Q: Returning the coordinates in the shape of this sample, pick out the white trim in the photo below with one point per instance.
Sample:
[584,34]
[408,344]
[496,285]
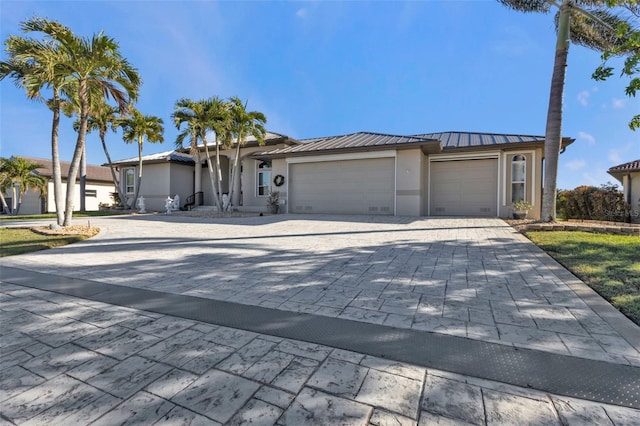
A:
[498,193]
[454,157]
[257,172]
[429,188]
[505,156]
[286,186]
[339,157]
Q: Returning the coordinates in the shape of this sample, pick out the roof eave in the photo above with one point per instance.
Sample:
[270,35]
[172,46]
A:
[428,147]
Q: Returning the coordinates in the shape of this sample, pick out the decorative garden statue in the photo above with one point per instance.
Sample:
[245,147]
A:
[176,202]
[168,205]
[141,204]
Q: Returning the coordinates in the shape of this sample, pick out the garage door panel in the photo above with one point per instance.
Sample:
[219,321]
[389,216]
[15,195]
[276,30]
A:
[343,187]
[464,188]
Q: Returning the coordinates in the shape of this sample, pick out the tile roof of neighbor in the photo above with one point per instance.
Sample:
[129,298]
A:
[631,166]
[159,157]
[353,140]
[94,172]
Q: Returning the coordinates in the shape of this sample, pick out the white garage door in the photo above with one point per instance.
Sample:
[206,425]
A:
[464,188]
[343,187]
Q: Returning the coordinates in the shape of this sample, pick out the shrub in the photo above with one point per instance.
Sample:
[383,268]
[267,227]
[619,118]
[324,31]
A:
[591,203]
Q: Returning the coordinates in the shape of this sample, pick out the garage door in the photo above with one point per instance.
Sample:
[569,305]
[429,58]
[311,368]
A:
[343,187]
[464,188]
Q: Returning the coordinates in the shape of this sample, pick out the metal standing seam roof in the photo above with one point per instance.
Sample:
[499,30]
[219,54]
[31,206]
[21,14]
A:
[469,139]
[631,166]
[158,157]
[352,140]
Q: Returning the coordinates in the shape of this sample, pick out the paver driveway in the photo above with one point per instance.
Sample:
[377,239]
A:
[75,360]
[476,278]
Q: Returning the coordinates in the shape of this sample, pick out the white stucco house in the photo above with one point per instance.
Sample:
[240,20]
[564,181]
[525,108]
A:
[430,174]
[98,189]
[628,174]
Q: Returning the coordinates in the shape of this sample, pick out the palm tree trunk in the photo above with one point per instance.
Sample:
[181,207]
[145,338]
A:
[116,184]
[218,176]
[83,180]
[55,159]
[139,182]
[236,163]
[5,207]
[214,186]
[77,154]
[553,134]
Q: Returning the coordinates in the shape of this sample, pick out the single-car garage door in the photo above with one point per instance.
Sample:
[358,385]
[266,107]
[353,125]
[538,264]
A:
[464,188]
[343,187]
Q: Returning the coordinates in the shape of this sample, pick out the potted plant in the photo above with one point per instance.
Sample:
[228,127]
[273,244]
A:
[273,202]
[521,209]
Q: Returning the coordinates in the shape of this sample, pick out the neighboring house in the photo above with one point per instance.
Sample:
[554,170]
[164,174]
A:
[98,188]
[431,174]
[628,174]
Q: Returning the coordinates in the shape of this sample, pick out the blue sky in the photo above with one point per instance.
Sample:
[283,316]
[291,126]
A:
[327,68]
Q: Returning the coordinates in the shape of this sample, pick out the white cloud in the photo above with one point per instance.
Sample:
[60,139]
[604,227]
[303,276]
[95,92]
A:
[301,13]
[587,137]
[575,165]
[618,103]
[583,98]
[614,156]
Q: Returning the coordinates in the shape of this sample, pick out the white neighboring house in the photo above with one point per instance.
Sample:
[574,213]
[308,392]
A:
[98,188]
[629,176]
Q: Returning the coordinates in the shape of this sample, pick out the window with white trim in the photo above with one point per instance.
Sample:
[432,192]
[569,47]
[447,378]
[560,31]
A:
[129,181]
[263,175]
[518,178]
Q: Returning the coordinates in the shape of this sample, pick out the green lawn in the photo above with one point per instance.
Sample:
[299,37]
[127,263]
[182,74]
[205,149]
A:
[18,241]
[53,215]
[609,264]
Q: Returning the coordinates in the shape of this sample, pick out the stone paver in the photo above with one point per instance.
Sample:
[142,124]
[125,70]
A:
[476,278]
[264,380]
[67,360]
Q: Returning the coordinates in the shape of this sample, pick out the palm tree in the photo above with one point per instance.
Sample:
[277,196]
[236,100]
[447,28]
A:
[33,65]
[585,23]
[243,124]
[103,117]
[23,177]
[5,184]
[68,63]
[136,127]
[201,117]
[96,66]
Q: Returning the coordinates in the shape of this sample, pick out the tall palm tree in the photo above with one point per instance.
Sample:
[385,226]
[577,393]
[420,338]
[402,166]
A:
[243,124]
[5,184]
[34,65]
[583,22]
[96,66]
[23,177]
[200,117]
[64,61]
[135,128]
[104,117]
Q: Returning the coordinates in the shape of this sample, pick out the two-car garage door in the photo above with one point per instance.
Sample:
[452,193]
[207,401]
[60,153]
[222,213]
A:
[364,186]
[464,188]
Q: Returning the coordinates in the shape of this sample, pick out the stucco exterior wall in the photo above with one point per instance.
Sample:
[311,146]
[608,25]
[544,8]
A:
[631,187]
[181,181]
[155,186]
[409,182]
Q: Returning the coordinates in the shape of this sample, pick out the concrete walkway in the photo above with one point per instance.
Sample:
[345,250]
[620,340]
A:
[472,278]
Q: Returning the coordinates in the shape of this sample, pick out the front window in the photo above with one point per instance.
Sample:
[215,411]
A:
[129,179]
[264,178]
[518,178]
